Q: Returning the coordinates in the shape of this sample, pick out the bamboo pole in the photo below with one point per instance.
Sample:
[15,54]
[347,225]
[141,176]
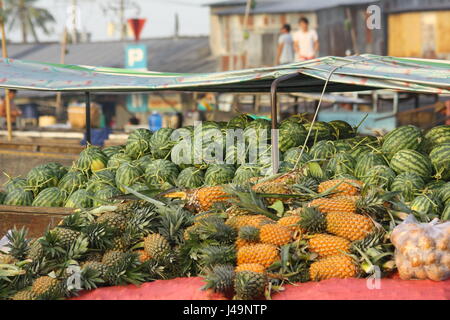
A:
[5,55]
[62,61]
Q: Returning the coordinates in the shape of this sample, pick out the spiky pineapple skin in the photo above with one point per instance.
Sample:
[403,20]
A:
[248,220]
[350,226]
[326,245]
[113,220]
[338,266]
[203,199]
[290,222]
[272,187]
[264,254]
[250,285]
[220,278]
[156,245]
[342,187]
[330,205]
[143,256]
[24,295]
[101,268]
[275,234]
[66,236]
[112,257]
[45,285]
[254,267]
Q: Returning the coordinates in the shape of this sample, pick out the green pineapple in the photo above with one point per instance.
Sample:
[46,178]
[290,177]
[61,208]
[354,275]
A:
[66,236]
[250,285]
[156,246]
[25,294]
[220,279]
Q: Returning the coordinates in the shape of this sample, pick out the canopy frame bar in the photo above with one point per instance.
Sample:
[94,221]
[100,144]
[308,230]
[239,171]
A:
[88,117]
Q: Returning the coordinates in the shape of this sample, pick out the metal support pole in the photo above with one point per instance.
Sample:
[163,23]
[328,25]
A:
[274,107]
[88,117]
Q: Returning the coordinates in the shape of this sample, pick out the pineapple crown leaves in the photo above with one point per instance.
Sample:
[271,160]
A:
[125,271]
[90,278]
[214,229]
[214,255]
[220,279]
[312,220]
[172,223]
[51,245]
[78,248]
[17,243]
[249,233]
[99,236]
[75,221]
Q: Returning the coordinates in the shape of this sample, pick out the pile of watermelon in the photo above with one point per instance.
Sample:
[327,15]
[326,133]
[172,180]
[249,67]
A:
[407,160]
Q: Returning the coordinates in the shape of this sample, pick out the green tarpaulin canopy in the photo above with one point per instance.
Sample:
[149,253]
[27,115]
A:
[350,74]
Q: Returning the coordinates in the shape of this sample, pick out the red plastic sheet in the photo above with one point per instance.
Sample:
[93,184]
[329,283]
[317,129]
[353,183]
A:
[342,289]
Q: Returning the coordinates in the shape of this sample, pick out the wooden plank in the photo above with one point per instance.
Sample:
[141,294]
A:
[443,32]
[39,154]
[405,34]
[35,210]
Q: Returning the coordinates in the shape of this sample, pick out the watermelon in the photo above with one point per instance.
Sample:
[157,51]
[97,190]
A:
[50,197]
[445,216]
[293,154]
[19,197]
[404,137]
[297,118]
[128,174]
[161,143]
[41,177]
[427,207]
[412,161]
[342,129]
[57,168]
[182,154]
[437,136]
[444,193]
[161,173]
[258,130]
[14,183]
[235,153]
[379,175]
[341,163]
[323,150]
[106,176]
[190,178]
[80,199]
[117,159]
[290,135]
[72,181]
[239,121]
[285,167]
[245,172]
[367,161]
[408,184]
[217,174]
[91,159]
[105,194]
[342,145]
[440,158]
[208,144]
[112,150]
[320,131]
[138,143]
[434,186]
[359,151]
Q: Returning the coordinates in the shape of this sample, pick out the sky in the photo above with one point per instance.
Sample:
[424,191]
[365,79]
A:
[160,15]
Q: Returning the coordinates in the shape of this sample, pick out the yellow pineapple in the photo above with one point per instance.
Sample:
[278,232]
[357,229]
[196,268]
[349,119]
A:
[254,220]
[264,254]
[341,187]
[275,234]
[339,266]
[272,187]
[234,210]
[255,267]
[326,245]
[143,256]
[201,199]
[45,285]
[291,222]
[338,204]
[242,243]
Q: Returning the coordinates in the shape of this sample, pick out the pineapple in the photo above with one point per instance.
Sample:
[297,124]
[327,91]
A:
[112,257]
[93,257]
[254,267]
[46,286]
[220,278]
[256,220]
[249,234]
[275,234]
[143,256]
[339,266]
[234,210]
[326,245]
[250,285]
[351,226]
[26,294]
[341,187]
[36,251]
[156,245]
[272,187]
[119,244]
[66,236]
[242,243]
[264,254]
[291,222]
[113,220]
[7,259]
[201,199]
[338,204]
[101,268]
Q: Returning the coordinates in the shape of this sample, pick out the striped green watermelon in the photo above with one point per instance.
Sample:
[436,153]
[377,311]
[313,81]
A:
[219,174]
[427,206]
[437,136]
[258,130]
[73,181]
[245,172]
[208,145]
[367,161]
[117,159]
[440,157]
[408,184]
[342,145]
[341,163]
[191,178]
[182,133]
[290,134]
[107,176]
[293,154]
[239,121]
[14,183]
[434,186]
[445,215]
[412,161]
[19,197]
[379,175]
[138,143]
[41,177]
[57,168]
[50,197]
[401,138]
[320,131]
[128,174]
[285,167]
[105,194]
[359,151]
[112,150]
[444,193]
[182,154]
[297,118]
[342,129]
[91,159]
[80,199]
[323,150]
[236,153]
[161,172]
[161,143]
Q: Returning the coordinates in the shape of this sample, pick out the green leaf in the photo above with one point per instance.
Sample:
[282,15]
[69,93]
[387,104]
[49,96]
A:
[278,206]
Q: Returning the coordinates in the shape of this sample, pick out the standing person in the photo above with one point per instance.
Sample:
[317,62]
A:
[15,112]
[306,41]
[285,53]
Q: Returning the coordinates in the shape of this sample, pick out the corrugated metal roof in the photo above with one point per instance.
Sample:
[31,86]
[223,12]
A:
[285,6]
[186,54]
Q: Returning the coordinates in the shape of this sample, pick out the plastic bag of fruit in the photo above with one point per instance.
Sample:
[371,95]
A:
[422,249]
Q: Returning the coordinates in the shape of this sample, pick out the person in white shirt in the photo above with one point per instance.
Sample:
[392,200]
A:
[306,42]
[285,52]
